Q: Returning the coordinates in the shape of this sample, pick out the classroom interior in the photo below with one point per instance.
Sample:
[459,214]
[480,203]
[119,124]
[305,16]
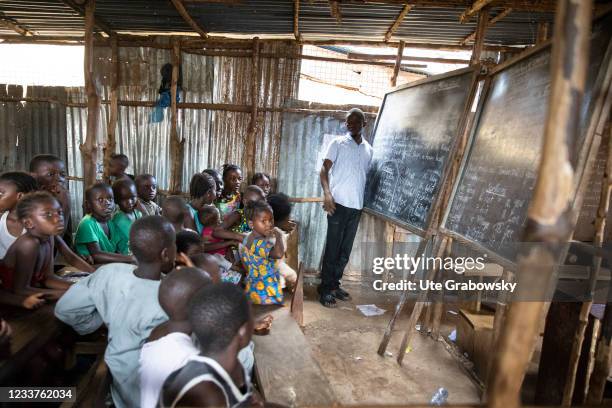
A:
[491,129]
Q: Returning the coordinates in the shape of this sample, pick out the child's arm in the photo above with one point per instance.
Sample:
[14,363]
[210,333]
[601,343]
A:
[209,247]
[28,302]
[101,257]
[77,308]
[26,255]
[72,258]
[278,251]
[224,230]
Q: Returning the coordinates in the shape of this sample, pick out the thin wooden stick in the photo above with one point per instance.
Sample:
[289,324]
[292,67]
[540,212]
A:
[498,321]
[475,8]
[252,131]
[97,21]
[13,25]
[483,19]
[439,304]
[549,212]
[89,149]
[180,8]
[398,64]
[491,22]
[334,9]
[296,20]
[176,143]
[543,29]
[370,57]
[398,21]
[111,140]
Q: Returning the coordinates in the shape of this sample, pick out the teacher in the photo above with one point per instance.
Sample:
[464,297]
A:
[343,178]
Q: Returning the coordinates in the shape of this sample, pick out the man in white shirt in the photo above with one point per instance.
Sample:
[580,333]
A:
[343,177]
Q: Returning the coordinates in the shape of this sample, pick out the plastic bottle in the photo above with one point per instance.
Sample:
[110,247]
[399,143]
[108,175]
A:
[439,398]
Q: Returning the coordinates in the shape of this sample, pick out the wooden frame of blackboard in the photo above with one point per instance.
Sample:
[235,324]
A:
[453,152]
[586,151]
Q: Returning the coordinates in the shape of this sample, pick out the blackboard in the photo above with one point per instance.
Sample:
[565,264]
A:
[490,202]
[413,137]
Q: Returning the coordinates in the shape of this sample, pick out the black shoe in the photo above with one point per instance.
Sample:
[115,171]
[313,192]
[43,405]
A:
[327,300]
[341,294]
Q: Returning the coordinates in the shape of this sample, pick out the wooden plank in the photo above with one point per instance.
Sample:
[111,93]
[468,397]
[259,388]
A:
[370,57]
[180,8]
[475,8]
[491,22]
[297,301]
[398,21]
[286,371]
[296,20]
[82,11]
[483,20]
[176,143]
[398,64]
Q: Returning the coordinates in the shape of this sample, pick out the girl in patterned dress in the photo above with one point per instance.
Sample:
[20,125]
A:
[259,253]
[230,195]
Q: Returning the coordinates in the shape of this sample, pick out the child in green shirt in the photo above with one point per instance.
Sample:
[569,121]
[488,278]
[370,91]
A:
[124,191]
[96,236]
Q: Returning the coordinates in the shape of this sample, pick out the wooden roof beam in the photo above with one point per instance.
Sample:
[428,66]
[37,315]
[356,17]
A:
[334,7]
[398,21]
[475,8]
[296,20]
[98,22]
[11,24]
[492,21]
[180,8]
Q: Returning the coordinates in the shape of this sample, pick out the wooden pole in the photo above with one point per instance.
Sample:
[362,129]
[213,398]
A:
[438,305]
[296,20]
[549,220]
[180,8]
[97,22]
[500,315]
[89,149]
[375,57]
[543,29]
[13,25]
[491,22]
[398,21]
[111,140]
[483,19]
[585,309]
[176,143]
[334,8]
[252,131]
[398,64]
[478,5]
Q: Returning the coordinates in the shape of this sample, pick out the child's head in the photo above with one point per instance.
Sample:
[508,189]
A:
[117,165]
[189,243]
[153,241]
[280,206]
[208,263]
[126,198]
[48,170]
[174,209]
[99,201]
[232,178]
[218,180]
[41,214]
[260,217]
[177,289]
[251,194]
[355,121]
[220,316]
[13,185]
[202,190]
[210,216]
[262,180]
[146,187]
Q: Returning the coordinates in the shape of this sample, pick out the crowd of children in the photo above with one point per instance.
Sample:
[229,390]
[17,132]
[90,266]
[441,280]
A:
[175,275]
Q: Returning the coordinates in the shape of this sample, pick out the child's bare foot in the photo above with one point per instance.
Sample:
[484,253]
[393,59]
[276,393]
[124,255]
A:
[263,326]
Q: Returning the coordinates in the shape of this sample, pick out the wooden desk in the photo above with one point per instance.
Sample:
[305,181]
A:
[31,331]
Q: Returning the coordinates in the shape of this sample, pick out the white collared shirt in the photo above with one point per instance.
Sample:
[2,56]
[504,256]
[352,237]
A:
[351,162]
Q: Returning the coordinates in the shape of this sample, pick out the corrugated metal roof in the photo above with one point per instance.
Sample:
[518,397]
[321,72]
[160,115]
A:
[359,20]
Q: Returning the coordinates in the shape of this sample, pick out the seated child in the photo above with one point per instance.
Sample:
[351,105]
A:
[124,298]
[202,190]
[221,319]
[174,209]
[117,166]
[230,195]
[282,211]
[210,218]
[218,180]
[189,243]
[124,192]
[146,187]
[259,252]
[262,180]
[50,174]
[209,264]
[96,236]
[13,185]
[27,267]
[235,225]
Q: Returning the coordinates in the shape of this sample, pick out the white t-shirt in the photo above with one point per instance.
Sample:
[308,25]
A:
[348,173]
[162,357]
[6,239]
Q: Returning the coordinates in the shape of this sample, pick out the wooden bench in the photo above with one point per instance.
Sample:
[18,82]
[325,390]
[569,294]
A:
[93,387]
[285,369]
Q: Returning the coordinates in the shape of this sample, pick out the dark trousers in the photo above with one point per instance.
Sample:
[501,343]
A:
[341,231]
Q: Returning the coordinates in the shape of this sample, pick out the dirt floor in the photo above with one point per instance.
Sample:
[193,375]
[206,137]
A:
[344,342]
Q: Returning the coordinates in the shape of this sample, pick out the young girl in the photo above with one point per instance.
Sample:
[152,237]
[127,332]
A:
[27,267]
[210,218]
[96,236]
[230,196]
[218,180]
[262,180]
[259,252]
[202,190]
[13,186]
[235,226]
[124,191]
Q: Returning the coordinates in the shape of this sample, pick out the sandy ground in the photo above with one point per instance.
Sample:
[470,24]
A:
[344,342]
